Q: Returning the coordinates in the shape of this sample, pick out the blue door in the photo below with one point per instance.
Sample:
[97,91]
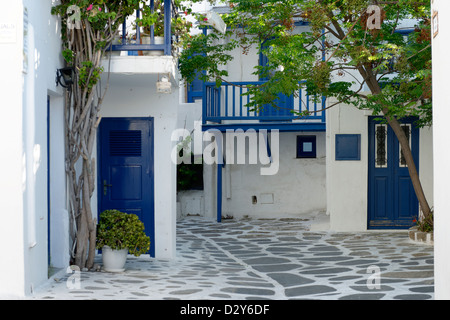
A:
[392,202]
[126,169]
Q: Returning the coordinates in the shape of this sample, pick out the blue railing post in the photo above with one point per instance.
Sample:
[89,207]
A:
[220,164]
[324,100]
[219,192]
[167,27]
[152,27]
[138,30]
[204,103]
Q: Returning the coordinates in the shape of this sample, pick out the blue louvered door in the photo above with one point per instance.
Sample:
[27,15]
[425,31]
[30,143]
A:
[126,169]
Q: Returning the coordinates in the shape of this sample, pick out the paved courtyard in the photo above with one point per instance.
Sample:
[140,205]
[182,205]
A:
[277,259]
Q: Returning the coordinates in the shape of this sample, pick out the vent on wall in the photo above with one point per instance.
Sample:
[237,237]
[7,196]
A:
[125,143]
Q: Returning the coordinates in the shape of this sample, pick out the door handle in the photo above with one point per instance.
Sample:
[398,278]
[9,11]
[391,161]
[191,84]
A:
[105,187]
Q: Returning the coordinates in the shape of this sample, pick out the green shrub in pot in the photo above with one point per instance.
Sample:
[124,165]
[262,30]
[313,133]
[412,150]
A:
[119,230]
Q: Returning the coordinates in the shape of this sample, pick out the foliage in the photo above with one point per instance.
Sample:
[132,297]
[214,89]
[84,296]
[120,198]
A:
[400,65]
[119,230]
[152,17]
[425,223]
[190,175]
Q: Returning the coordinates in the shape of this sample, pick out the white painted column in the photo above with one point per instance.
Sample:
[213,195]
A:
[441,118]
[12,281]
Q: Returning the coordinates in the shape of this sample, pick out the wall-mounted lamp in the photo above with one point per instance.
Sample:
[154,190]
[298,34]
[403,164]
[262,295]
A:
[65,77]
[164,85]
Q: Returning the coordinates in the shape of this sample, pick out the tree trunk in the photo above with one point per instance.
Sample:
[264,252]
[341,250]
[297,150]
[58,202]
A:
[414,175]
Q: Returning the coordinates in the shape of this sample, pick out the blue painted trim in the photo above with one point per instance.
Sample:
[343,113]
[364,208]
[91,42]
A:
[219,192]
[212,105]
[282,127]
[48,181]
[220,165]
[204,105]
[167,27]
[301,153]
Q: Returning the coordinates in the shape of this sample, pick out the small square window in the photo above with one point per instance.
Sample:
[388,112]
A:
[306,146]
[348,147]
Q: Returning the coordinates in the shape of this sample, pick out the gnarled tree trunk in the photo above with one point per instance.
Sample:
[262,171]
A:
[82,119]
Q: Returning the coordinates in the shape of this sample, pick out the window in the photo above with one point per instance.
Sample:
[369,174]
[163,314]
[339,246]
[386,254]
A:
[348,147]
[380,146]
[306,146]
[407,129]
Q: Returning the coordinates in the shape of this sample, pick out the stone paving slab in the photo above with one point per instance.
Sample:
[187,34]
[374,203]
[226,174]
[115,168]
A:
[278,259]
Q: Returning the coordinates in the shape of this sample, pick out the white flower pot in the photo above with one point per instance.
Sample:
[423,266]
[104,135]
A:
[114,260]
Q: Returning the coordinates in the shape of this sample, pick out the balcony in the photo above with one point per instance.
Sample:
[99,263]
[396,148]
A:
[225,107]
[133,43]
[135,52]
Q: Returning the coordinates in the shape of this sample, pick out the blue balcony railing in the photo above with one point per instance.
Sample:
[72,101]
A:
[229,103]
[131,36]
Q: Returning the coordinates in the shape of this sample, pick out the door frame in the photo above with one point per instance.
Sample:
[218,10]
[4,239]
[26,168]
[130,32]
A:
[415,143]
[150,226]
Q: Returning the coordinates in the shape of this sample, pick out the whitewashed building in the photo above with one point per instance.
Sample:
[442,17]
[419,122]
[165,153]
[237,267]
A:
[137,113]
[320,165]
[323,163]
[32,164]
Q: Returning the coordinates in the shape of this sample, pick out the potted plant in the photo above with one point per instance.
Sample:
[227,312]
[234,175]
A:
[180,26]
[153,18]
[120,233]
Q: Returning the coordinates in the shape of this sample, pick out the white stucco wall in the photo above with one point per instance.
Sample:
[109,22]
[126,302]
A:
[441,114]
[11,164]
[346,180]
[296,188]
[136,96]
[29,62]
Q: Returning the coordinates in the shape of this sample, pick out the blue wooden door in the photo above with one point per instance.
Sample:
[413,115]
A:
[392,202]
[126,169]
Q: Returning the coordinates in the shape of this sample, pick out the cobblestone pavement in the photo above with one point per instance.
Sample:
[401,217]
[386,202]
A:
[277,259]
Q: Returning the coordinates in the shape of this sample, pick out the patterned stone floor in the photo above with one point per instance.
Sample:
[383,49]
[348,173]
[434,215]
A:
[276,259]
